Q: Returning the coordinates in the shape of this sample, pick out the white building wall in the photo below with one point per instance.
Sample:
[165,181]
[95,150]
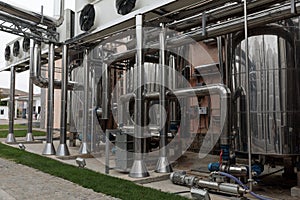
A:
[3,112]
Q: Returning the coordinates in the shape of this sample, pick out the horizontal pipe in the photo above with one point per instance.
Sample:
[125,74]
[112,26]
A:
[219,89]
[181,178]
[267,16]
[220,13]
[32,16]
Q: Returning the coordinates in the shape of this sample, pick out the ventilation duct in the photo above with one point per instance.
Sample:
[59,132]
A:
[125,6]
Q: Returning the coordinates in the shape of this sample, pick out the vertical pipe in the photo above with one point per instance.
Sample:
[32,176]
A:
[107,147]
[163,165]
[220,55]
[29,136]
[62,149]
[49,148]
[83,148]
[248,94]
[73,131]
[11,137]
[139,169]
[105,86]
[93,118]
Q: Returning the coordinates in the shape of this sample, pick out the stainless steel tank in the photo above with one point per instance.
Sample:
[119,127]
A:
[274,93]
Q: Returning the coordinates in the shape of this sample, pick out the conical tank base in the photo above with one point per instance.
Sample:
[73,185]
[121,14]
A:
[29,137]
[10,138]
[163,165]
[83,148]
[62,150]
[49,149]
[139,169]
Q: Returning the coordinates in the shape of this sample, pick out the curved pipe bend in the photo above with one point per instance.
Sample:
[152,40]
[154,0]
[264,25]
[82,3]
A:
[35,71]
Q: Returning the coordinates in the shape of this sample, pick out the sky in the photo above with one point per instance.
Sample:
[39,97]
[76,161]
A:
[22,79]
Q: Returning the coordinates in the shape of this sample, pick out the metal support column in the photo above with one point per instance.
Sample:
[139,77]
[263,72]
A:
[163,165]
[139,168]
[11,137]
[83,148]
[29,136]
[248,94]
[49,147]
[62,149]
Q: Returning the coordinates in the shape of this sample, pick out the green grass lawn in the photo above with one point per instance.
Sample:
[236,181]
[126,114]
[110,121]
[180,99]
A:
[87,178]
[21,133]
[5,126]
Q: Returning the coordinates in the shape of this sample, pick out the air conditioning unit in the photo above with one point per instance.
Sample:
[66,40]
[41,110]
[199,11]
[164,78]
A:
[17,51]
[102,14]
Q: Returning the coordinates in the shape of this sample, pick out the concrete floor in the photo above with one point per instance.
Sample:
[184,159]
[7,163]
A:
[161,182]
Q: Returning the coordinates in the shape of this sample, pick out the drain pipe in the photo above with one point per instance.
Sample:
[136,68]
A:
[83,148]
[62,149]
[49,147]
[248,96]
[139,168]
[11,137]
[29,136]
[163,165]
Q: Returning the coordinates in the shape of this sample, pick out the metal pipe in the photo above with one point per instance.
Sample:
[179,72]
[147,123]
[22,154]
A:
[83,148]
[36,72]
[273,14]
[32,16]
[220,13]
[49,148]
[105,86]
[259,18]
[220,55]
[163,165]
[93,118]
[62,149]
[10,137]
[139,169]
[29,136]
[181,178]
[248,94]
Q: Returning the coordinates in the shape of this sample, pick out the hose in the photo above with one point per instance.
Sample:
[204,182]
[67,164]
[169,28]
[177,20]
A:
[241,184]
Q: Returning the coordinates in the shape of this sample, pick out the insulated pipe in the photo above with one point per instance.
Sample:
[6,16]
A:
[83,148]
[29,136]
[220,55]
[11,137]
[259,18]
[181,178]
[274,14]
[105,86]
[163,165]
[49,148]
[139,169]
[36,72]
[62,149]
[247,85]
[220,89]
[220,13]
[32,16]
